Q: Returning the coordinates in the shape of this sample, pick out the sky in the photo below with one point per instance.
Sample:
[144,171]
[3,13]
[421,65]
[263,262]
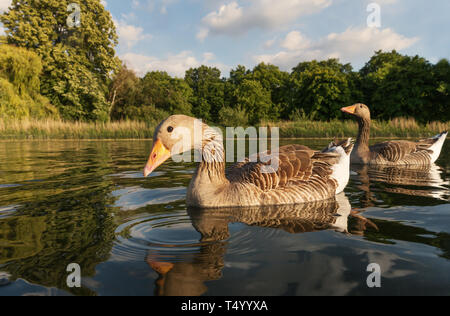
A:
[175,35]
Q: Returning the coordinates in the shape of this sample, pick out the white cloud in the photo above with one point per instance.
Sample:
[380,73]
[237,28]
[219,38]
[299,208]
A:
[175,65]
[269,43]
[295,41]
[129,34]
[354,44]
[233,19]
[202,34]
[4,4]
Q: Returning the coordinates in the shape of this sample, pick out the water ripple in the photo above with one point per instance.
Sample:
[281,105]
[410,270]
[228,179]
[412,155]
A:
[167,236]
[134,198]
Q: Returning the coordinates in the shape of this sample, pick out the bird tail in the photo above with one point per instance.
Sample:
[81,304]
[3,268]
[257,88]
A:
[341,169]
[347,145]
[436,147]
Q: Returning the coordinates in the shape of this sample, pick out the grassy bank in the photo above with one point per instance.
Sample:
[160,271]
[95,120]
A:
[401,127]
[50,129]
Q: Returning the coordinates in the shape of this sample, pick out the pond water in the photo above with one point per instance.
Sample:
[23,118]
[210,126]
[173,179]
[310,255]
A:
[86,202]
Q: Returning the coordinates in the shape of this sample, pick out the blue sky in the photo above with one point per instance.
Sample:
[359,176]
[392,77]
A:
[174,35]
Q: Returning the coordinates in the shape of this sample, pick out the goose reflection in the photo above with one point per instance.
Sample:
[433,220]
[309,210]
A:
[422,181]
[187,276]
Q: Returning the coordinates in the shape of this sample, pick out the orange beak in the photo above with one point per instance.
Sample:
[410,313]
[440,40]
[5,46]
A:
[161,267]
[349,109]
[159,154]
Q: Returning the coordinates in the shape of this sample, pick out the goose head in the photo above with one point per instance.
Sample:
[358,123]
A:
[361,111]
[175,135]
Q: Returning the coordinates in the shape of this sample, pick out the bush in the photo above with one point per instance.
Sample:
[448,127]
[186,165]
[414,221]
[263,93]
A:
[230,117]
[19,85]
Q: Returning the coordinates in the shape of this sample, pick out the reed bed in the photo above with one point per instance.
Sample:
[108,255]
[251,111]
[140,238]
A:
[56,129]
[400,127]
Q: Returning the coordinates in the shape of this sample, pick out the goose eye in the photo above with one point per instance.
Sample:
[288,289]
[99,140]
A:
[170,129]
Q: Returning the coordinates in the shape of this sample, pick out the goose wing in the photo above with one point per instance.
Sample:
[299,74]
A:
[396,151]
[293,164]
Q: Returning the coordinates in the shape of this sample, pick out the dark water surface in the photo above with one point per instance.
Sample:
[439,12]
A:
[87,202]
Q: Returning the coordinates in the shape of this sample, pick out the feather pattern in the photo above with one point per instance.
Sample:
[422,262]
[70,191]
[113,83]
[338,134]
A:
[406,152]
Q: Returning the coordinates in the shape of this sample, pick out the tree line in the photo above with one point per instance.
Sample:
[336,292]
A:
[393,85]
[50,69]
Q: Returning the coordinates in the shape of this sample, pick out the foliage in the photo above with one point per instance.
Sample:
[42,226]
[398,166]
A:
[393,85]
[124,91]
[441,94]
[254,99]
[149,99]
[75,70]
[233,117]
[19,85]
[76,61]
[397,85]
[320,88]
[208,92]
[166,93]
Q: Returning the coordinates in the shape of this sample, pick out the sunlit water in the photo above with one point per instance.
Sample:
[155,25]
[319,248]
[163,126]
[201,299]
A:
[87,202]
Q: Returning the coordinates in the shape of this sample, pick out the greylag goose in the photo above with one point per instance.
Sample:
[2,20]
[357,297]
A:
[301,174]
[394,153]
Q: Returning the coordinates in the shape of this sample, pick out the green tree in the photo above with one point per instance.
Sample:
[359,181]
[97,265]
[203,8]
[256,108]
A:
[238,75]
[254,100]
[208,97]
[19,85]
[441,92]
[233,117]
[151,98]
[396,85]
[124,93]
[236,78]
[166,93]
[276,81]
[319,89]
[77,61]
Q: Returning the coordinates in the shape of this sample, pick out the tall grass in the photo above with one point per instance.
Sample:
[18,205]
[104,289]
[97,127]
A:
[57,129]
[400,127]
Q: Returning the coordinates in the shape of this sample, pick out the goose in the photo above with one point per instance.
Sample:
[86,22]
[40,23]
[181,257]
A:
[393,153]
[294,174]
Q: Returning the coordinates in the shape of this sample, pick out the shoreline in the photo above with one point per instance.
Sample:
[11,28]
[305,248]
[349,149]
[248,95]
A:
[9,140]
[403,128]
